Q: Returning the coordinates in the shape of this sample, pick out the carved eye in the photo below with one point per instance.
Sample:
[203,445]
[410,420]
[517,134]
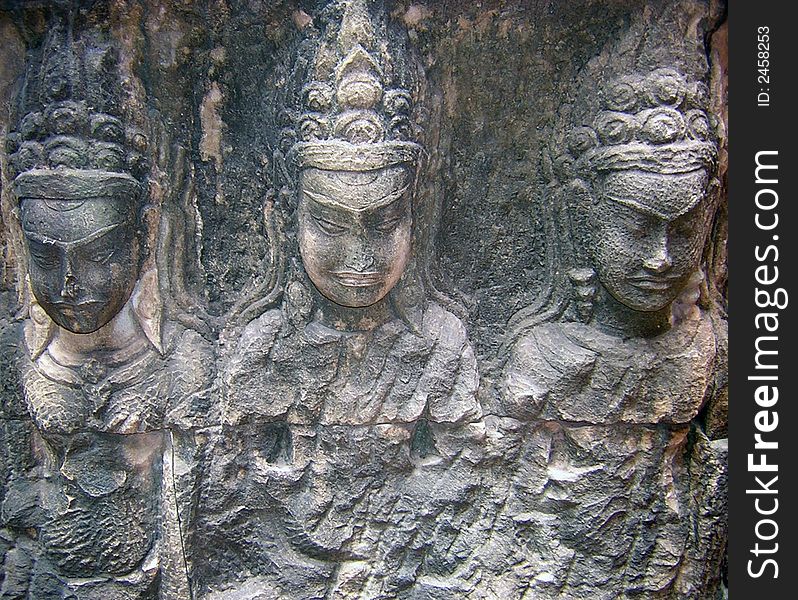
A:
[45,257]
[681,228]
[388,225]
[638,230]
[329,227]
[102,256]
[639,226]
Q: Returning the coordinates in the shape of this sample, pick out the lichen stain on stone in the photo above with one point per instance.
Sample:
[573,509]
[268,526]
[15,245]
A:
[301,19]
[719,62]
[485,21]
[211,122]
[218,55]
[166,36]
[479,27]
[414,15]
[464,23]
[127,32]
[450,95]
[12,49]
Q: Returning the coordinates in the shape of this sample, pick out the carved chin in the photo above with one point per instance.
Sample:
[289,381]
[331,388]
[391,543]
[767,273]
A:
[83,316]
[650,300]
[78,320]
[353,293]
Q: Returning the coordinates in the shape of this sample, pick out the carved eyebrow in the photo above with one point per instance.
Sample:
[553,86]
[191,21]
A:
[42,239]
[637,207]
[385,200]
[395,195]
[318,197]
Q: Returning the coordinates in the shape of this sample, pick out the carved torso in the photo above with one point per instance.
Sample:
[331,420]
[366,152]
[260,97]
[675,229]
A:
[576,373]
[140,393]
[322,409]
[102,438]
[609,420]
[343,299]
[319,375]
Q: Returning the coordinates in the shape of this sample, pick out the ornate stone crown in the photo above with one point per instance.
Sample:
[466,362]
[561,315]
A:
[349,120]
[655,123]
[69,145]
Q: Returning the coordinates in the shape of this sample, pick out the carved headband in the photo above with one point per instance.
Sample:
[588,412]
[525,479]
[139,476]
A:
[679,157]
[76,184]
[338,155]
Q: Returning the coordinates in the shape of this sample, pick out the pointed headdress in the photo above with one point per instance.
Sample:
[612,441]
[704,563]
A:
[351,120]
[71,143]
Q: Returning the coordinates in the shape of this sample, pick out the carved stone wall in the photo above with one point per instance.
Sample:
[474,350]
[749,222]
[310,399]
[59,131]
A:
[362,299]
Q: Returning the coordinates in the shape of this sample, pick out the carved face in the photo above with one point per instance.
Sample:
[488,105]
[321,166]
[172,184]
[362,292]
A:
[355,231]
[83,258]
[649,232]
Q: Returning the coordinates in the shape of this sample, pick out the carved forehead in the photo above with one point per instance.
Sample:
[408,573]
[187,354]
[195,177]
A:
[73,220]
[355,190]
[667,196]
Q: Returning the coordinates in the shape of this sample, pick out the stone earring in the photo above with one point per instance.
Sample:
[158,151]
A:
[585,289]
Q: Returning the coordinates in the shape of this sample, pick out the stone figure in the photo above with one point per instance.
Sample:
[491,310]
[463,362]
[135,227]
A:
[345,407]
[612,388]
[110,385]
[359,299]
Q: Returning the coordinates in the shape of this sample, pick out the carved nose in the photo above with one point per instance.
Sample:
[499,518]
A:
[659,260]
[69,287]
[360,262]
[658,264]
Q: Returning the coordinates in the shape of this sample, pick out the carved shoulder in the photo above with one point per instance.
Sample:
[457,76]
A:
[190,368]
[546,361]
[258,336]
[52,406]
[245,372]
[451,377]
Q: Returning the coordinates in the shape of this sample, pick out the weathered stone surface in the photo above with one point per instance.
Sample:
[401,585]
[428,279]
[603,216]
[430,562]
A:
[362,299]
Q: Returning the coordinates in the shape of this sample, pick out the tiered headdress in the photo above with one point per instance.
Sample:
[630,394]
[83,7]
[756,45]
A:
[349,120]
[71,144]
[654,123]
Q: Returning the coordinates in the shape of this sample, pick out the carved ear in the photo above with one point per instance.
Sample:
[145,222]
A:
[407,300]
[579,194]
[147,305]
[578,200]
[39,329]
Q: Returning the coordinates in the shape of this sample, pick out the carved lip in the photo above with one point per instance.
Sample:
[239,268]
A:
[357,279]
[79,305]
[653,284]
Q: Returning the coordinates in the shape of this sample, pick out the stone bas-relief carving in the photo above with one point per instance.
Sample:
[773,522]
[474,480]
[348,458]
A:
[611,395]
[110,387]
[343,427]
[347,407]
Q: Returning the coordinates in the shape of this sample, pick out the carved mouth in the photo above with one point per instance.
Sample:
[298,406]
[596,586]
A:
[652,284]
[356,279]
[78,306]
